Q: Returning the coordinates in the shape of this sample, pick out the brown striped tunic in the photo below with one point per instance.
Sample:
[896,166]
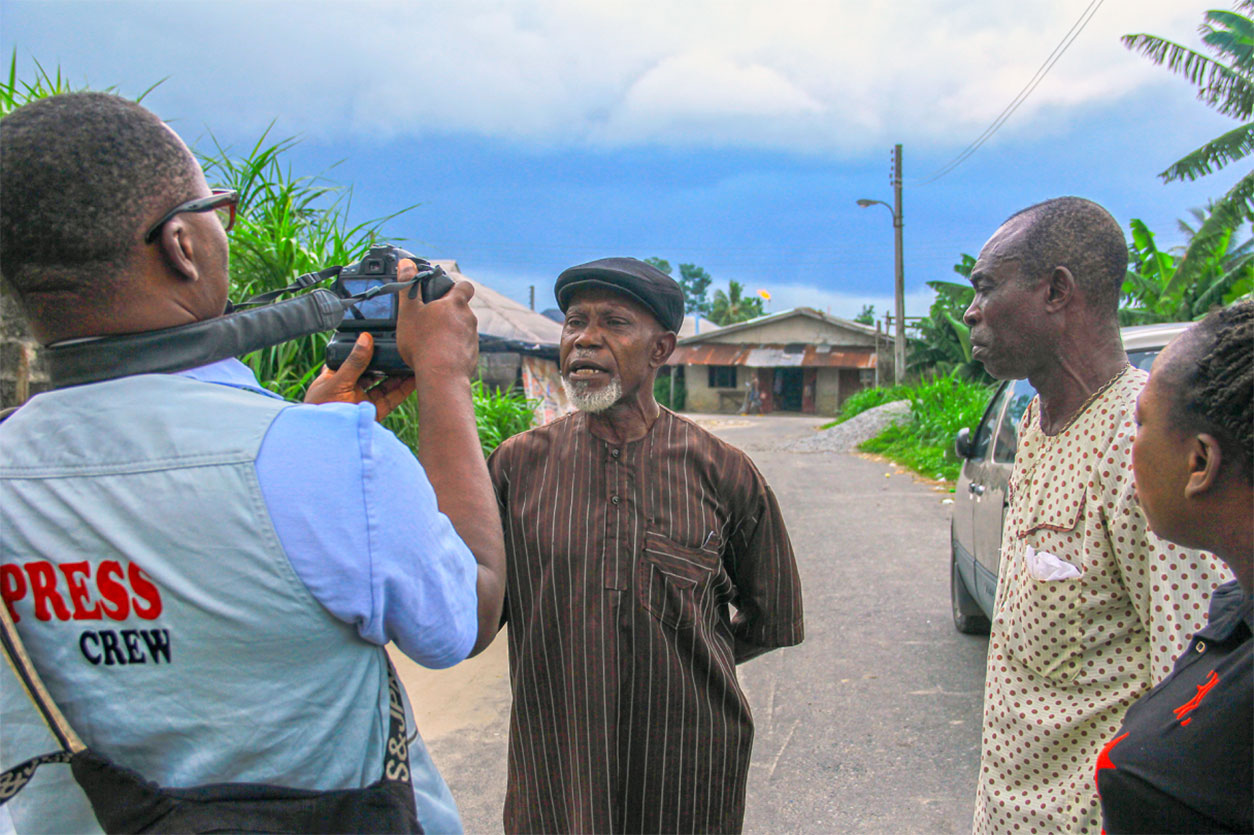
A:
[624,564]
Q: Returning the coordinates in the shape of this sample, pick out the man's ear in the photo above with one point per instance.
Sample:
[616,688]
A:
[1061,289]
[1205,460]
[663,347]
[178,247]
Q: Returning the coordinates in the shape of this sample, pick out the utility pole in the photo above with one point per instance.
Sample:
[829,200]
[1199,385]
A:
[899,289]
[899,272]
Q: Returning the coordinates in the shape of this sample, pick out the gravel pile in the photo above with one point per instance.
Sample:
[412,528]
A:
[844,437]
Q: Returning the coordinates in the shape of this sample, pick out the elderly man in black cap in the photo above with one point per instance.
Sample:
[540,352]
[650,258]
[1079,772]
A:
[632,537]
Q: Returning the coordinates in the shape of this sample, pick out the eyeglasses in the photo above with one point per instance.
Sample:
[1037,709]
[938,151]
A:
[223,201]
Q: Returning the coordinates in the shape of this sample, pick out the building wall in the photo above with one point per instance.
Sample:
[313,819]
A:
[702,398]
[831,389]
[827,395]
[796,329]
[22,370]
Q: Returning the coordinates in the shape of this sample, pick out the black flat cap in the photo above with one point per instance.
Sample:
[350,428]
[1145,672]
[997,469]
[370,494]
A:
[635,279]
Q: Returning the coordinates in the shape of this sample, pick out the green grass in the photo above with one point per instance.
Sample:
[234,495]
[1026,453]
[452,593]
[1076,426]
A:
[939,406]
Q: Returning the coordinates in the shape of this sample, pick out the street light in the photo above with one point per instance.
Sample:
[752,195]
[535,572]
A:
[899,284]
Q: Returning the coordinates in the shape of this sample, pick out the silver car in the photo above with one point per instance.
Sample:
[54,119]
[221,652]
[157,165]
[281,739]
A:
[980,499]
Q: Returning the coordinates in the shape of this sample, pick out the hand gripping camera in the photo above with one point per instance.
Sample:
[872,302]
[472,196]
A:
[362,299]
[373,281]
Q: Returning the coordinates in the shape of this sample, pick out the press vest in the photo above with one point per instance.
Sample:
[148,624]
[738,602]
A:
[151,590]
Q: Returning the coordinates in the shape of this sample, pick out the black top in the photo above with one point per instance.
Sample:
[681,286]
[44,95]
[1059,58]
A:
[1182,760]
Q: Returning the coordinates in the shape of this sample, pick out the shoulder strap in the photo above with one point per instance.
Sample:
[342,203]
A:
[12,780]
[34,686]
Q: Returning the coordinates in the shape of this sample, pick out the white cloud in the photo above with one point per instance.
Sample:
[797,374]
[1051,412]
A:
[829,76]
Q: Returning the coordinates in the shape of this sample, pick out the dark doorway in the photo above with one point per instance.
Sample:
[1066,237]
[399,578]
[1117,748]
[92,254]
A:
[789,385]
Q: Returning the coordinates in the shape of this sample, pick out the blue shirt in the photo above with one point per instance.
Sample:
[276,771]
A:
[348,501]
[358,521]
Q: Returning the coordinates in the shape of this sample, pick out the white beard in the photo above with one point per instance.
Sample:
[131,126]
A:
[597,400]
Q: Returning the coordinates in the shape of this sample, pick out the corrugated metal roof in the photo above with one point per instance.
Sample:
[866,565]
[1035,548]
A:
[769,356]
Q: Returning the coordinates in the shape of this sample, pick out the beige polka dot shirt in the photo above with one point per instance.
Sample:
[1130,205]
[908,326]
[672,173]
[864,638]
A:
[1068,656]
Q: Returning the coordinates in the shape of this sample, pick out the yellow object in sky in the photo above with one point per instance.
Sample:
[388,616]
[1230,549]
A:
[764,295]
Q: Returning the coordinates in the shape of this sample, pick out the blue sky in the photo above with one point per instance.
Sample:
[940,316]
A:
[735,134]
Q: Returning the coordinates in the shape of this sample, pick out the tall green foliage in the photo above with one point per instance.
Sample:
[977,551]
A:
[943,341]
[500,415]
[1153,293]
[940,405]
[286,225]
[1225,83]
[15,92]
[662,392]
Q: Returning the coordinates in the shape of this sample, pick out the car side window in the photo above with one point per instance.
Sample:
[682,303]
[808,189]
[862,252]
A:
[1143,358]
[1021,394]
[984,435]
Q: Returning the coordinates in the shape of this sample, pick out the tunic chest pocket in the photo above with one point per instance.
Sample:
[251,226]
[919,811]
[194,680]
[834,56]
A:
[1044,619]
[672,580]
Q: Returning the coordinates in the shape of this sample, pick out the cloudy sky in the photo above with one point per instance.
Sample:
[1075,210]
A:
[734,134]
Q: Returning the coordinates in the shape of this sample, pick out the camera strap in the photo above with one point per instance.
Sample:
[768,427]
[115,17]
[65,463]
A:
[302,282]
[94,359]
[238,332]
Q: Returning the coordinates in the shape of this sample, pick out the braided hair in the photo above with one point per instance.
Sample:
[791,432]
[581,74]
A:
[1216,380]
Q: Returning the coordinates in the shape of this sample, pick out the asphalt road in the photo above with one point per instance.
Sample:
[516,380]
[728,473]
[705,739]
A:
[871,725]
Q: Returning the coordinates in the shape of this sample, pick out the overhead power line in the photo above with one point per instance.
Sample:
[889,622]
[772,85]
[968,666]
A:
[1059,50]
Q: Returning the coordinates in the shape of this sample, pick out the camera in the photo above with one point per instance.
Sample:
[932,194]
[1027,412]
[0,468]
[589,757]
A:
[377,311]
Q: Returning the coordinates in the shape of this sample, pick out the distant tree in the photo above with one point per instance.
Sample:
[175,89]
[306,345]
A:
[1226,84]
[944,340]
[867,316]
[661,263]
[696,282]
[733,306]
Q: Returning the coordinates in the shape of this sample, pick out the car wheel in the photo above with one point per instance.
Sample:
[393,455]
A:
[969,619]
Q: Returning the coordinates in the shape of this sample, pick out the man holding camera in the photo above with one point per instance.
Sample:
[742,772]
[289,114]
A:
[631,533]
[205,575]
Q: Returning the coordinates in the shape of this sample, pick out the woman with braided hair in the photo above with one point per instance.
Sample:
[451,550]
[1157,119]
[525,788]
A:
[1182,760]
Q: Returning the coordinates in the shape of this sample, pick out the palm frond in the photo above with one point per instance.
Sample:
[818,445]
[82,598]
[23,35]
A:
[1233,209]
[1230,147]
[1214,295]
[1228,92]
[1231,34]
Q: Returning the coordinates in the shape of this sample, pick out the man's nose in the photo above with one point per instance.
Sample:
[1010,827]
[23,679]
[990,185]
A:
[588,336]
[971,315]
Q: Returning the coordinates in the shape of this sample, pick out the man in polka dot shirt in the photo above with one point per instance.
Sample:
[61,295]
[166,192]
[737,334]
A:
[1091,607]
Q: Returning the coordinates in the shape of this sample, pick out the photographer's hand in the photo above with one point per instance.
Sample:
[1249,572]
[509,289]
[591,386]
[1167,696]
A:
[440,342]
[344,385]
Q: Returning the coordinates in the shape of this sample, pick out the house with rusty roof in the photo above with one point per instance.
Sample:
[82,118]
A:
[799,360]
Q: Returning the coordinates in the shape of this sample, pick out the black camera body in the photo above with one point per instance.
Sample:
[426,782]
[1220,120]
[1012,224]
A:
[378,314]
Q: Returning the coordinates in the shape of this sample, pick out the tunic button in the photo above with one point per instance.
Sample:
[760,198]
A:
[1201,646]
[614,452]
[613,499]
